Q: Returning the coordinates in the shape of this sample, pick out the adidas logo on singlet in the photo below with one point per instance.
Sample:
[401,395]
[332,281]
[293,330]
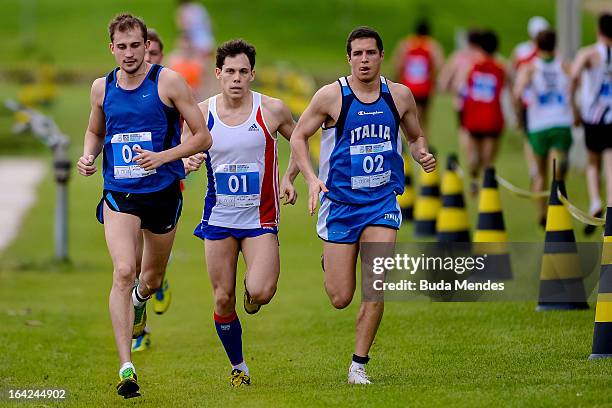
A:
[253,127]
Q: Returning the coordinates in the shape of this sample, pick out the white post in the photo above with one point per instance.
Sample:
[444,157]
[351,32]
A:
[568,27]
[569,17]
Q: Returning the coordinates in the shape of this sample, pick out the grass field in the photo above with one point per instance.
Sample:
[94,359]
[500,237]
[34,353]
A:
[55,330]
[79,43]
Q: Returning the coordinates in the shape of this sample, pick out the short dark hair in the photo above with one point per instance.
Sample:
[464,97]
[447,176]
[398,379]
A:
[126,22]
[232,48]
[488,42]
[473,37]
[422,27]
[363,32]
[546,40]
[605,24]
[153,36]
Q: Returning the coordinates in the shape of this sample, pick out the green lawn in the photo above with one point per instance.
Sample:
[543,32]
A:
[55,330]
[298,347]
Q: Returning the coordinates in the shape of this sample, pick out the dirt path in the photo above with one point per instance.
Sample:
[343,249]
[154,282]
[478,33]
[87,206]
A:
[19,179]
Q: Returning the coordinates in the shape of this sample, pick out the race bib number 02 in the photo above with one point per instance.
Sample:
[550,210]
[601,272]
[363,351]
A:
[370,165]
[238,185]
[123,152]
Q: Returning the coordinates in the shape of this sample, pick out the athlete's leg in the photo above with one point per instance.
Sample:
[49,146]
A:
[607,159]
[122,233]
[139,250]
[561,158]
[263,266]
[530,158]
[538,184]
[474,157]
[155,256]
[464,142]
[142,342]
[370,313]
[221,260]
[339,261]
[592,176]
[488,151]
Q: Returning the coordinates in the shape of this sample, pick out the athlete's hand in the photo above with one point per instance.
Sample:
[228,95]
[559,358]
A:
[288,192]
[147,159]
[86,166]
[314,188]
[426,160]
[193,163]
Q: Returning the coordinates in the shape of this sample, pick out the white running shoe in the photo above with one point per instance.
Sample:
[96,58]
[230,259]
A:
[357,375]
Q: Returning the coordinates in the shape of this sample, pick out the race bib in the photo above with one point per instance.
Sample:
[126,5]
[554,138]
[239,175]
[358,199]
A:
[417,69]
[371,165]
[483,87]
[238,185]
[123,152]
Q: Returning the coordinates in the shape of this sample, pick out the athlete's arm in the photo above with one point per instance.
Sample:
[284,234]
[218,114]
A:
[313,117]
[194,162]
[409,122]
[285,125]
[173,87]
[523,78]
[437,55]
[447,73]
[94,135]
[398,56]
[579,65]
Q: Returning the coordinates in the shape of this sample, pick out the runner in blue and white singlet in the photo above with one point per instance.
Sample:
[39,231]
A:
[361,163]
[361,172]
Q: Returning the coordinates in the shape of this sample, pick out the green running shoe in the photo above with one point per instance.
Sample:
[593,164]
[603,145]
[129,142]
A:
[128,387]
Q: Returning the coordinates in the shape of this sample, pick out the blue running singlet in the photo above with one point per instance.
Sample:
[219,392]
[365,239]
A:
[361,155]
[138,117]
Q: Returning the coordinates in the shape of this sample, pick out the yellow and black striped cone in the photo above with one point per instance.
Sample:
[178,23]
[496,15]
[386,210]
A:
[491,231]
[561,277]
[406,199]
[427,204]
[452,223]
[602,335]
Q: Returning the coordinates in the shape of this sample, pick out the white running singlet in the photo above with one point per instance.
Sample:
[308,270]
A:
[242,170]
[548,104]
[597,89]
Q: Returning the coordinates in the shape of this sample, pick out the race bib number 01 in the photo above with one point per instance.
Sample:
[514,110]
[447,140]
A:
[123,152]
[370,165]
[238,185]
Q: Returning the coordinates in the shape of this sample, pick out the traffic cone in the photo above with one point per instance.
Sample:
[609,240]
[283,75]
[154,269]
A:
[602,334]
[561,277]
[491,231]
[452,222]
[427,204]
[406,199]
